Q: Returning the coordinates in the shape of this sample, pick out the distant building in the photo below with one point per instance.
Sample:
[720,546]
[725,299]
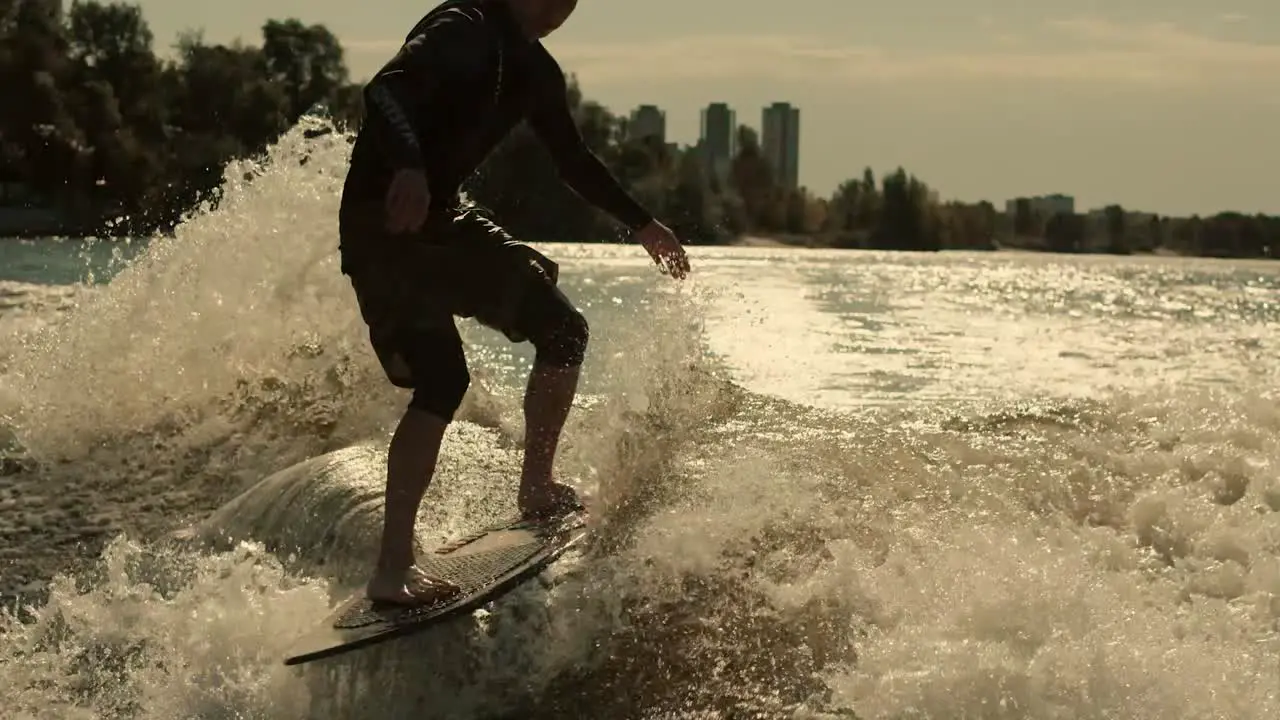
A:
[719,139]
[647,121]
[1045,206]
[780,142]
[1132,215]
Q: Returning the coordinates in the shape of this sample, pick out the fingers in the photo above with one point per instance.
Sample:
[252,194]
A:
[662,257]
[395,194]
[674,263]
[670,257]
[399,206]
[677,261]
[407,205]
[684,263]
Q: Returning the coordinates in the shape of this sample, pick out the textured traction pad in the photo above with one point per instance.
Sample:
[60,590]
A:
[484,565]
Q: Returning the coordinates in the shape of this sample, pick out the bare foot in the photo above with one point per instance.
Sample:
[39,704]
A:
[543,500]
[410,587]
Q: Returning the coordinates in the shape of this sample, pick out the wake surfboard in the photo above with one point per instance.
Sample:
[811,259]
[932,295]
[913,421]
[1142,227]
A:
[485,566]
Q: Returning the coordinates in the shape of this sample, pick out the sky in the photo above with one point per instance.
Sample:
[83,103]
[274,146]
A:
[1168,106]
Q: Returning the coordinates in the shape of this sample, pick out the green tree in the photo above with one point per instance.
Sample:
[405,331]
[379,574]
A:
[844,206]
[41,140]
[307,60]
[854,210]
[1155,232]
[751,178]
[906,223]
[966,226]
[1117,230]
[693,209]
[115,85]
[520,184]
[797,211]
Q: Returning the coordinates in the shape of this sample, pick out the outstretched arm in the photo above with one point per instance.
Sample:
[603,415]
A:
[452,46]
[581,170]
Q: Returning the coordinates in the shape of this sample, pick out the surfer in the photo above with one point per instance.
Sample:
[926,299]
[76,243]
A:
[419,253]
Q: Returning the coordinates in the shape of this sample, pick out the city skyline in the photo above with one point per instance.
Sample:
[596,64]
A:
[780,147]
[778,135]
[1165,106]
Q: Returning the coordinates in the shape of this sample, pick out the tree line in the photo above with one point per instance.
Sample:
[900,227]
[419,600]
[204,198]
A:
[126,142]
[99,126]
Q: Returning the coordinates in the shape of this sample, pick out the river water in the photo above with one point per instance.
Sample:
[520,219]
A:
[831,483]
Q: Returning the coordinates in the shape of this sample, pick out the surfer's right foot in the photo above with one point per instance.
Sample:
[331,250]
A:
[545,500]
[409,587]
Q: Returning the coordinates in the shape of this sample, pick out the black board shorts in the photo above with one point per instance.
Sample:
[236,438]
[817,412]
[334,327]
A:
[411,286]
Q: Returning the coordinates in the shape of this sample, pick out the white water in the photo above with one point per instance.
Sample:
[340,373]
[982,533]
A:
[902,486]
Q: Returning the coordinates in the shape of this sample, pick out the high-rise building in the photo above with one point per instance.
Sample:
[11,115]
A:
[780,142]
[719,139]
[647,121]
[1044,205]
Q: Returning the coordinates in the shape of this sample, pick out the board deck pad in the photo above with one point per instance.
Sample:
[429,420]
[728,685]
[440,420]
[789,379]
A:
[484,565]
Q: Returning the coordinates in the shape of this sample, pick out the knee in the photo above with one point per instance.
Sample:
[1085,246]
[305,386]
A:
[440,387]
[442,395]
[565,342]
[558,331]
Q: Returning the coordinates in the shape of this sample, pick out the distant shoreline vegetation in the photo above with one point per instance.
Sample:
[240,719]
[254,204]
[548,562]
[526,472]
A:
[104,138]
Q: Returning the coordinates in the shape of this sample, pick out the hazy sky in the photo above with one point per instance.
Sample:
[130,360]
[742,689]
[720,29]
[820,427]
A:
[1161,105]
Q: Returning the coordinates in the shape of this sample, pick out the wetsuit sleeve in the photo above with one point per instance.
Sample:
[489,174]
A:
[450,48]
[580,168]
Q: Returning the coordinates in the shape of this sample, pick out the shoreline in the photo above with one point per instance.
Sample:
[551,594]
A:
[807,242]
[772,241]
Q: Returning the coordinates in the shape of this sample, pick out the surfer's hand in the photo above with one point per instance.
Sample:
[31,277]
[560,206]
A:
[664,248]
[408,201]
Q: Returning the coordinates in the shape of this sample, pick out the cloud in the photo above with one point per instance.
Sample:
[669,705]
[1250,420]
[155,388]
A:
[1071,50]
[1095,51]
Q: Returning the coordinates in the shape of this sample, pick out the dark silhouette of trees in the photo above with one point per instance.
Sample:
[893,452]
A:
[99,128]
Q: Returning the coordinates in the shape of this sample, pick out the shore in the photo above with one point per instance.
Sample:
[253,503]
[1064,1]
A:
[812,241]
[760,242]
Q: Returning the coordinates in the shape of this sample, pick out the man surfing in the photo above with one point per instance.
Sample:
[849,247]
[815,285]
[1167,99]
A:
[419,254]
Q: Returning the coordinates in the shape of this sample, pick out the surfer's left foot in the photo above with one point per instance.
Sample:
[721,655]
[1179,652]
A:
[547,499]
[410,587]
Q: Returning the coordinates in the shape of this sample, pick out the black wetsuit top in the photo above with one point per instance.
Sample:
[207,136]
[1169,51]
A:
[464,79]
